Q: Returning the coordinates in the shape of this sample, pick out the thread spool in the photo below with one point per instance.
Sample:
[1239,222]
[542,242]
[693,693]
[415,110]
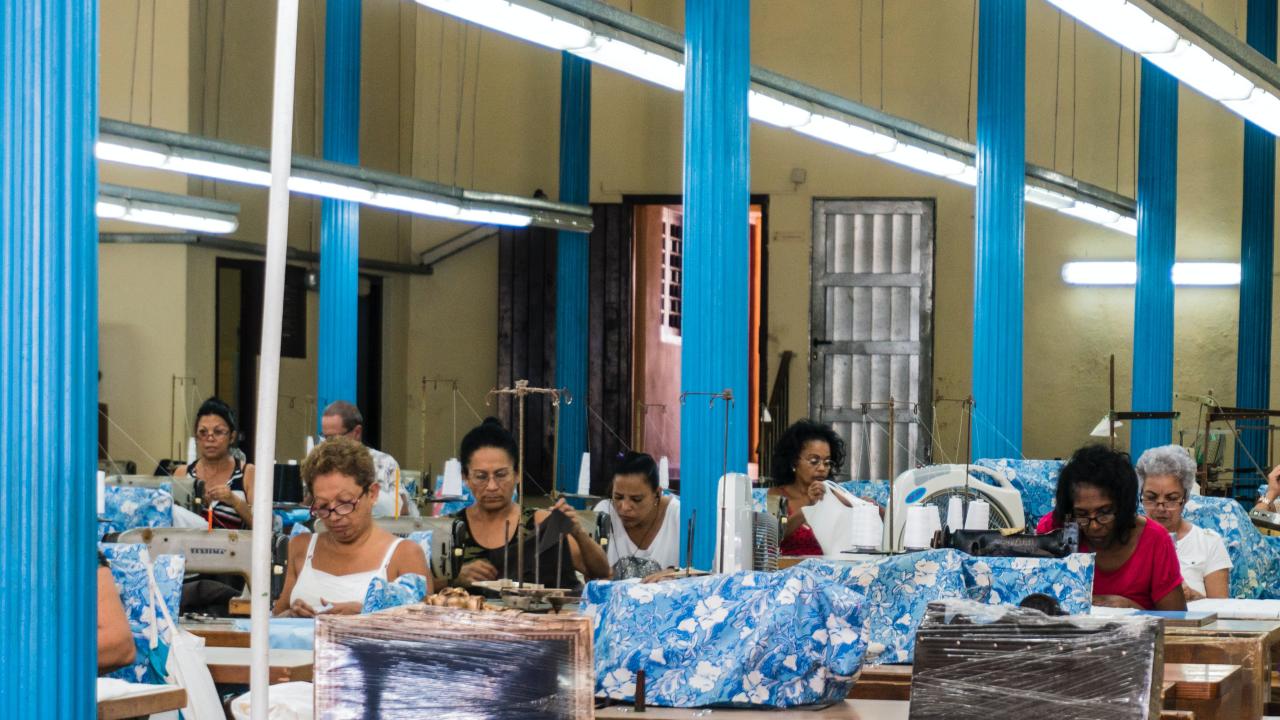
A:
[979,516]
[919,527]
[452,478]
[955,513]
[311,443]
[191,450]
[868,529]
[102,493]
[584,475]
[664,473]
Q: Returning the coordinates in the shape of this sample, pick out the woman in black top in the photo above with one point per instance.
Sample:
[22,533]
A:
[222,481]
[489,552]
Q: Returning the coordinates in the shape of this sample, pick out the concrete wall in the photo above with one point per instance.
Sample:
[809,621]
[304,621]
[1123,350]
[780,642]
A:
[446,101]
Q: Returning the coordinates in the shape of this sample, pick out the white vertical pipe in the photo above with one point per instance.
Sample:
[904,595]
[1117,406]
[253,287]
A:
[269,362]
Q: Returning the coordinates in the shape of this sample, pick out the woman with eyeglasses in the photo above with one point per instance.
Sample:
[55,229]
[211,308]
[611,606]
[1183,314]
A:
[1135,563]
[1167,474]
[646,538]
[807,454]
[330,571]
[226,481]
[490,543]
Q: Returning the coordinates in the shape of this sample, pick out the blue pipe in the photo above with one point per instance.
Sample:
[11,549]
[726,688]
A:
[340,219]
[572,255]
[998,229]
[48,357]
[1153,296]
[1257,263]
[716,258]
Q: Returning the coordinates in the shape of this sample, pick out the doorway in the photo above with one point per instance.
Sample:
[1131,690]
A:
[658,313]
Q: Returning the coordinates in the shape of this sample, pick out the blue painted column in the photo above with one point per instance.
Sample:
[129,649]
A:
[714,354]
[572,272]
[998,229]
[1257,263]
[340,219]
[48,357]
[1153,297]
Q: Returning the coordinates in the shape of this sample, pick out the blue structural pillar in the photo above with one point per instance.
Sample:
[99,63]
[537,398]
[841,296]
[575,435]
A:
[48,357]
[340,219]
[1153,300]
[1253,350]
[998,229]
[572,254]
[714,353]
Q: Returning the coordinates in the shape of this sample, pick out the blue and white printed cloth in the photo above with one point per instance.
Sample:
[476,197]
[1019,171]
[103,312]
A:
[1255,571]
[1036,480]
[1007,580]
[898,589]
[765,639]
[129,507]
[424,539]
[128,566]
[405,590]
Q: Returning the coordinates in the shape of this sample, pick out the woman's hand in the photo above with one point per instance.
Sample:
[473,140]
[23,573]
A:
[300,609]
[346,608]
[1190,594]
[218,493]
[567,510]
[1273,487]
[1115,601]
[816,491]
[477,571]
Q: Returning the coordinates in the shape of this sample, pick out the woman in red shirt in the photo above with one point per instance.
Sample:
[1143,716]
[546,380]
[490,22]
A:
[1136,564]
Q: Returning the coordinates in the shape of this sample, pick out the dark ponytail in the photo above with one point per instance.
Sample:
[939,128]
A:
[488,434]
[637,463]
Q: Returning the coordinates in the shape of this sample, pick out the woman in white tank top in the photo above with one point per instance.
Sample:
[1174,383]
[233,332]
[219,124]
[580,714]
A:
[646,523]
[331,571]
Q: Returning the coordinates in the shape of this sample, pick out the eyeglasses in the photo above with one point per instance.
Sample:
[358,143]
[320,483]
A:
[1169,501]
[343,508]
[214,434]
[1102,517]
[482,478]
[815,461]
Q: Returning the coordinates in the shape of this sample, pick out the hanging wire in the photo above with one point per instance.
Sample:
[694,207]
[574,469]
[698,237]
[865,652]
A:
[862,63]
[1119,113]
[607,427]
[1057,89]
[439,97]
[881,54]
[475,101]
[1075,90]
[968,93]
[151,66]
[992,426]
[128,437]
[137,39]
[462,84]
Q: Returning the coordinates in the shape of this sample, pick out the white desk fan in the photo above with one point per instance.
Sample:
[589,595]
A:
[936,484]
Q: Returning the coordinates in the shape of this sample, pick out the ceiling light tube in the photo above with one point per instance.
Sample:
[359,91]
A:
[534,22]
[1124,272]
[636,57]
[918,158]
[183,212]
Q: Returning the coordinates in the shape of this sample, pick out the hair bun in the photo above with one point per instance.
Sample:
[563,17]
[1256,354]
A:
[491,421]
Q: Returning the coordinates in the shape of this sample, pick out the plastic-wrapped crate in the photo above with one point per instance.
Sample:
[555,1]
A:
[1198,646]
[447,664]
[985,662]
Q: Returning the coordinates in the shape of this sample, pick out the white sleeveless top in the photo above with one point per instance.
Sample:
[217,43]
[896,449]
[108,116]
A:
[314,584]
[665,548]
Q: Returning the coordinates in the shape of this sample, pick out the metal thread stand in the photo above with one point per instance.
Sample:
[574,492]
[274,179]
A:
[727,396]
[520,391]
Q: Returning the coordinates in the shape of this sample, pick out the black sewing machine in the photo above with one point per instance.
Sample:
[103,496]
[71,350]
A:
[1005,543]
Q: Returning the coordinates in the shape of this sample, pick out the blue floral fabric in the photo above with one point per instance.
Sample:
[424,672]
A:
[424,539]
[128,567]
[877,490]
[1255,571]
[129,507]
[285,633]
[764,639]
[405,590]
[1007,580]
[1036,480]
[898,589]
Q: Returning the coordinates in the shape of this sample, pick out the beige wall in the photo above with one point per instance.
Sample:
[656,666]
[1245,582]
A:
[449,102]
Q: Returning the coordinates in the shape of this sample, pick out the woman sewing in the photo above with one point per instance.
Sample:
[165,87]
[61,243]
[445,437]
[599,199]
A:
[807,454]
[646,523]
[1167,475]
[225,483]
[555,542]
[1136,565]
[330,571]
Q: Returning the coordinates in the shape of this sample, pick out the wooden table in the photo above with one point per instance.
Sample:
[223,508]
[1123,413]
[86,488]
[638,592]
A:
[218,633]
[848,710]
[230,665]
[239,606]
[157,699]
[1210,691]
[1252,644]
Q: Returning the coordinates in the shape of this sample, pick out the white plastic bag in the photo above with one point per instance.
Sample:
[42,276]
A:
[287,701]
[186,666]
[833,517]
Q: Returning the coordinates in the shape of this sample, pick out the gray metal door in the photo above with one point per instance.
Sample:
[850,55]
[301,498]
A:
[872,333]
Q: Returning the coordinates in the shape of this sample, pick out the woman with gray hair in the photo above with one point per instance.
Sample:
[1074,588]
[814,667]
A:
[1167,475]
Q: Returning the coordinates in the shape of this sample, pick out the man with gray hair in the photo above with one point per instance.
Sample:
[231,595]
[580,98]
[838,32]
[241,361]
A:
[1168,477]
[343,419]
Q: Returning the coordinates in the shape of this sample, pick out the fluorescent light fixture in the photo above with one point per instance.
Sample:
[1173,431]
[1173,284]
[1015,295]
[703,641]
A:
[848,135]
[781,113]
[204,157]
[638,58]
[1123,272]
[1191,47]
[1047,198]
[183,212]
[1092,213]
[917,158]
[539,23]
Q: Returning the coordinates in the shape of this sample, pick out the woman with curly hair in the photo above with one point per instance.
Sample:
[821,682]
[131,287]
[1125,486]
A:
[807,454]
[1135,559]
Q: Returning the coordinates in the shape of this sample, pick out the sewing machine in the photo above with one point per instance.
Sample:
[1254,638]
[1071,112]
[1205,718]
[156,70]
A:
[180,487]
[213,552]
